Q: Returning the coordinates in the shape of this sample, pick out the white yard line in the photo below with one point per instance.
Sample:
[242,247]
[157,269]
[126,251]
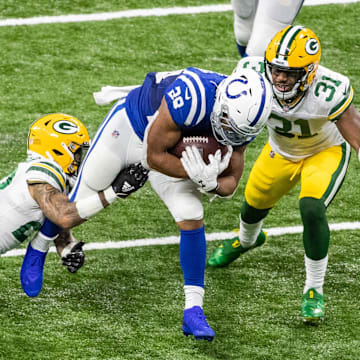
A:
[141,13]
[276,231]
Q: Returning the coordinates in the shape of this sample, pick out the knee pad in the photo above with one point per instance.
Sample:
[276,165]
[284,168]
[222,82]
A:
[180,196]
[281,11]
[312,210]
[186,208]
[244,14]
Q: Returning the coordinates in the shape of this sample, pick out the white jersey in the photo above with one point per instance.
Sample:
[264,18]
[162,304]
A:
[20,215]
[309,127]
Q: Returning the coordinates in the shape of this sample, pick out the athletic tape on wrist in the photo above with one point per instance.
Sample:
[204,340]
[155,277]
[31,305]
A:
[89,206]
[109,195]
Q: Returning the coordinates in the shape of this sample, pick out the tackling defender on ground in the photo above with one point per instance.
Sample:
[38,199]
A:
[310,119]
[37,190]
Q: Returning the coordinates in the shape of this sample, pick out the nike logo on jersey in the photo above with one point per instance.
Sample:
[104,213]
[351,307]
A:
[187,96]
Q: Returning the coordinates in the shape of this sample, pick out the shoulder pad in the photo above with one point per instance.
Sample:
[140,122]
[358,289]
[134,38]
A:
[46,171]
[253,62]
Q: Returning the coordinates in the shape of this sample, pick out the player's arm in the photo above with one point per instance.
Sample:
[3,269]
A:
[57,207]
[163,135]
[349,127]
[70,250]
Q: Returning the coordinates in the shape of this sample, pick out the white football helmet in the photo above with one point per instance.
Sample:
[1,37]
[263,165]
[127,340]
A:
[242,106]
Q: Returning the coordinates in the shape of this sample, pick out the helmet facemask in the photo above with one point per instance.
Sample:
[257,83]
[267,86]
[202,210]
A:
[242,106]
[298,87]
[77,153]
[226,132]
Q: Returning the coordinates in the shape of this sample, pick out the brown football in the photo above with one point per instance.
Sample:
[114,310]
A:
[206,144]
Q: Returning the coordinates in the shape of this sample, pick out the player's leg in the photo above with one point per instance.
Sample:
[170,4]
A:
[114,146]
[271,17]
[244,14]
[321,179]
[271,177]
[184,203]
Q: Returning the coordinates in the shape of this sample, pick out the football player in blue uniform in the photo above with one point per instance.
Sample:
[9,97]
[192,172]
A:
[257,21]
[148,122]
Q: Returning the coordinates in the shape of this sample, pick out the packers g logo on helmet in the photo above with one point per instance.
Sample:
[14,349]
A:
[65,127]
[59,137]
[294,49]
[312,46]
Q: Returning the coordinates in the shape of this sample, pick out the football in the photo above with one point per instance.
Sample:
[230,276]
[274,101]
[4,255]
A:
[206,144]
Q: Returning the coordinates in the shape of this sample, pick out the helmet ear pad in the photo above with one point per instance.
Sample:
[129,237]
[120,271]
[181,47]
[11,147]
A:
[59,137]
[242,106]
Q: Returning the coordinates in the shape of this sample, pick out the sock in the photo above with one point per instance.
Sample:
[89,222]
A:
[41,242]
[248,233]
[193,256]
[194,296]
[315,274]
[316,236]
[241,50]
[48,232]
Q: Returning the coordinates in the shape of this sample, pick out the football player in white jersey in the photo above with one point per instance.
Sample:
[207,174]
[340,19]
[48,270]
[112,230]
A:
[257,21]
[38,187]
[310,128]
[148,122]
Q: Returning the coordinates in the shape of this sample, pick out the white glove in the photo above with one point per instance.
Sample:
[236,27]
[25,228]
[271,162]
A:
[224,163]
[200,173]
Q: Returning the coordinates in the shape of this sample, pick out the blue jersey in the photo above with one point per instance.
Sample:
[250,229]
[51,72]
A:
[189,94]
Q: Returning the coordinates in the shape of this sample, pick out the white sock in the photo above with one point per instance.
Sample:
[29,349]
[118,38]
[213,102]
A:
[248,233]
[315,274]
[194,296]
[41,242]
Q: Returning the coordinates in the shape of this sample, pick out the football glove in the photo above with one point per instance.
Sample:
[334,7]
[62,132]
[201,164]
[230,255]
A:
[201,174]
[224,162]
[130,180]
[73,257]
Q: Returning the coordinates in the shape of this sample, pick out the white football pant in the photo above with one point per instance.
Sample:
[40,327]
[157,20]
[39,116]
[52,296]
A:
[257,21]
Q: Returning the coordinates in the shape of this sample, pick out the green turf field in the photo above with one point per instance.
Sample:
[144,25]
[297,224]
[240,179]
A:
[128,303]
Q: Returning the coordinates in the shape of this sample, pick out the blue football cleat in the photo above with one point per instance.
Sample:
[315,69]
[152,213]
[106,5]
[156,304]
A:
[32,269]
[194,323]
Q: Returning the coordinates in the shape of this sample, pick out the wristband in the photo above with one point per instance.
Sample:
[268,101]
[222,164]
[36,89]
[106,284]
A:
[89,206]
[109,195]
[67,249]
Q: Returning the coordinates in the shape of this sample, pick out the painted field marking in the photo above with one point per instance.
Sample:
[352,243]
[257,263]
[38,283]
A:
[141,13]
[171,240]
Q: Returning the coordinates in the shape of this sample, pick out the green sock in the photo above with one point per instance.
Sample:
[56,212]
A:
[250,215]
[316,236]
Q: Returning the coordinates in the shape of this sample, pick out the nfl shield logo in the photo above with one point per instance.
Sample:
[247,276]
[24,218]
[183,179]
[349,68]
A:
[115,134]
